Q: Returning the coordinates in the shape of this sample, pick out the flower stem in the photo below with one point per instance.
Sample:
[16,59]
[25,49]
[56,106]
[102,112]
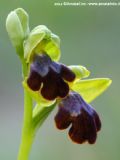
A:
[27,131]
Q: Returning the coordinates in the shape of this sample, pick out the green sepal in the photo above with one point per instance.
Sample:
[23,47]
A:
[35,95]
[41,39]
[17,25]
[91,88]
[80,71]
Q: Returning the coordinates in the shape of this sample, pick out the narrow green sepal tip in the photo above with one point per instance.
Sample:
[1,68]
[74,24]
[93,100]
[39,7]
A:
[109,81]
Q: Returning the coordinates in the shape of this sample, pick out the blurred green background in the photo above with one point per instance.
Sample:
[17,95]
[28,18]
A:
[90,36]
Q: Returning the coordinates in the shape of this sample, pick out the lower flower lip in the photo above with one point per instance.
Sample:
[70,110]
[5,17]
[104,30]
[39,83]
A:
[84,125]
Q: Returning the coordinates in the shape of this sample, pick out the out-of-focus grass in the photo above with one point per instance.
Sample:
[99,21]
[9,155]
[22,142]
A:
[90,36]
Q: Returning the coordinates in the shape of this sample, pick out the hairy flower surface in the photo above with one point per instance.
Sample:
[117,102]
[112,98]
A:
[84,120]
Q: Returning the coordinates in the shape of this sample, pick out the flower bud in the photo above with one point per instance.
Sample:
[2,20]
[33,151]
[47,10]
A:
[17,25]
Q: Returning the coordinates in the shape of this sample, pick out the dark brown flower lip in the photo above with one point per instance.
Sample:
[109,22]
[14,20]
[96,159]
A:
[82,119]
[67,74]
[52,75]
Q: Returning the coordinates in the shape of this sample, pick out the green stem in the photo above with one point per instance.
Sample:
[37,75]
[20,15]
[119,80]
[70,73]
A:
[27,131]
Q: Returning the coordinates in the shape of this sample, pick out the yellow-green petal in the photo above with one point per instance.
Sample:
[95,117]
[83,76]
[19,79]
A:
[80,71]
[92,88]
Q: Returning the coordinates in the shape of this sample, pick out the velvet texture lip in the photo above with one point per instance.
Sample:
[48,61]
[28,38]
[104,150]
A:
[49,77]
[84,121]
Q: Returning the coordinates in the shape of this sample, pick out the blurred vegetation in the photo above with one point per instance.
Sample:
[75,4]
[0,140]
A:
[90,36]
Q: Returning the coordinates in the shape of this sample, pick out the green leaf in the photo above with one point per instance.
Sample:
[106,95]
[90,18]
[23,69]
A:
[92,88]
[17,25]
[80,71]
[41,39]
